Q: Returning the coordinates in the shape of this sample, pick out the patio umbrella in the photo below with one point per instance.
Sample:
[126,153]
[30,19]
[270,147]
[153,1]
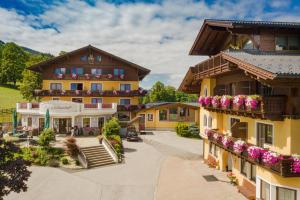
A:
[47,120]
[15,122]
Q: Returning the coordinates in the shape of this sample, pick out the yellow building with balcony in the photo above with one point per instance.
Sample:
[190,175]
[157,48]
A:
[249,95]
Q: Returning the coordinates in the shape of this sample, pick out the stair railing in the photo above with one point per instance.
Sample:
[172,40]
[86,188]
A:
[82,159]
[112,152]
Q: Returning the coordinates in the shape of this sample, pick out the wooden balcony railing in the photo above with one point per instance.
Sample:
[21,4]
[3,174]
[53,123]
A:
[88,93]
[282,168]
[270,107]
[88,77]
[130,107]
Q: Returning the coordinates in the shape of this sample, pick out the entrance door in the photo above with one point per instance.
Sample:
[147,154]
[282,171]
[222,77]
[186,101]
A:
[101,121]
[142,122]
[64,125]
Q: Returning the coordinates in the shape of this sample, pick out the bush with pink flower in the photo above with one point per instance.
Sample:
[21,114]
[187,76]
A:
[216,101]
[255,152]
[271,158]
[217,137]
[227,142]
[238,102]
[252,102]
[296,163]
[207,101]
[239,146]
[226,101]
[201,101]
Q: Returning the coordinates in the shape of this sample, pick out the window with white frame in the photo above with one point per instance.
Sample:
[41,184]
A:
[150,117]
[248,169]
[264,134]
[209,123]
[286,194]
[265,190]
[86,122]
[204,120]
[96,100]
[233,121]
[125,87]
[124,101]
[55,86]
[205,91]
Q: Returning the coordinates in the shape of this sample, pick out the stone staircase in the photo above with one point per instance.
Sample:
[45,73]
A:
[97,156]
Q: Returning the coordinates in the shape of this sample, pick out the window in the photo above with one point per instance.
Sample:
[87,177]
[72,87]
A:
[248,169]
[163,115]
[209,122]
[233,121]
[96,86]
[77,100]
[76,86]
[182,112]
[29,121]
[124,87]
[55,86]
[264,134]
[285,194]
[244,167]
[211,148]
[96,100]
[124,116]
[249,45]
[55,98]
[96,71]
[60,70]
[118,72]
[265,191]
[84,58]
[216,151]
[150,117]
[124,101]
[205,120]
[77,70]
[173,114]
[98,58]
[205,91]
[86,122]
[253,173]
[287,43]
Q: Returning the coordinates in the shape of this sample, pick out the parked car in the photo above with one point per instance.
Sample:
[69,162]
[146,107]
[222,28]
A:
[132,137]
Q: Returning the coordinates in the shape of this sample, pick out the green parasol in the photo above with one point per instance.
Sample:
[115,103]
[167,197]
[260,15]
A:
[47,120]
[15,122]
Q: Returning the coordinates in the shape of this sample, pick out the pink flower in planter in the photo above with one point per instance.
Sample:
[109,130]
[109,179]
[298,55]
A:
[271,158]
[217,137]
[122,76]
[227,142]
[74,76]
[77,92]
[60,76]
[239,146]
[98,76]
[239,100]
[89,92]
[208,133]
[109,76]
[296,164]
[207,101]
[201,100]
[251,102]
[115,92]
[226,101]
[216,101]
[87,76]
[255,152]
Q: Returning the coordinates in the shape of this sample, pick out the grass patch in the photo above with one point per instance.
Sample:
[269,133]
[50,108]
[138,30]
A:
[9,97]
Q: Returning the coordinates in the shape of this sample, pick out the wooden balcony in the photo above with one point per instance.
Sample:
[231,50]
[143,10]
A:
[270,107]
[130,107]
[282,168]
[88,77]
[88,93]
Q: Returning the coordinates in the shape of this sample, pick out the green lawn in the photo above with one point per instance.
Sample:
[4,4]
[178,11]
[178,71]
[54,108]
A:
[9,97]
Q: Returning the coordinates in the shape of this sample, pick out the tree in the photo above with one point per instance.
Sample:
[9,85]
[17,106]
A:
[12,63]
[62,53]
[111,127]
[13,169]
[32,80]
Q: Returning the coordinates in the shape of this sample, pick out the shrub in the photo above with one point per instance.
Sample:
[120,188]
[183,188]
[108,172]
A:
[71,147]
[64,161]
[194,131]
[53,163]
[77,162]
[111,127]
[46,137]
[182,129]
[118,149]
[116,138]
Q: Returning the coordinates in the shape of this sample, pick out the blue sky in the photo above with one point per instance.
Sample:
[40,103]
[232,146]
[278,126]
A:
[156,34]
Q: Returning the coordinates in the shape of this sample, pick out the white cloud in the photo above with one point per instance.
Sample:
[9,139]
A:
[157,36]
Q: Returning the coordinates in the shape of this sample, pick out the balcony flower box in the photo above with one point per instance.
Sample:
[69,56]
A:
[201,100]
[209,133]
[127,91]
[255,152]
[87,76]
[60,76]
[296,164]
[207,101]
[115,92]
[89,92]
[239,146]
[252,102]
[218,138]
[227,142]
[239,102]
[271,158]
[122,76]
[216,102]
[98,76]
[63,92]
[74,76]
[109,76]
[77,92]
[226,101]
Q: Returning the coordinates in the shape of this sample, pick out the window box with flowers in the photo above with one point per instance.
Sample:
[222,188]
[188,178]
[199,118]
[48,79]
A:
[252,102]
[239,146]
[238,102]
[226,102]
[216,102]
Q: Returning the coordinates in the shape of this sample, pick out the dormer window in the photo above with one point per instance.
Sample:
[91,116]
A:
[98,58]
[84,58]
[287,43]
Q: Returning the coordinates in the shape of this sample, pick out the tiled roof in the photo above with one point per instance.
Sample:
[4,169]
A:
[281,64]
[259,23]
[152,105]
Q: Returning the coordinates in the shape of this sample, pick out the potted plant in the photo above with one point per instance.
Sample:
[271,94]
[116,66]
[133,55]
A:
[255,152]
[217,137]
[226,101]
[216,101]
[207,101]
[238,102]
[227,142]
[271,158]
[87,76]
[209,133]
[232,178]
[239,146]
[74,76]
[201,101]
[296,163]
[252,102]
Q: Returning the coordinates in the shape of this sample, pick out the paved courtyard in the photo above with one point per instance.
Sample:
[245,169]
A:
[162,167]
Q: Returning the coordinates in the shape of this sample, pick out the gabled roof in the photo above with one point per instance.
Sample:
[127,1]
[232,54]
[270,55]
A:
[214,33]
[141,70]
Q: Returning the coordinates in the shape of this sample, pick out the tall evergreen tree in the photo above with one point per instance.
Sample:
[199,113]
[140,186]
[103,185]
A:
[12,63]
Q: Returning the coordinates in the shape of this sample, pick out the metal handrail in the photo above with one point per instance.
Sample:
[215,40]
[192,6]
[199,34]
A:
[82,159]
